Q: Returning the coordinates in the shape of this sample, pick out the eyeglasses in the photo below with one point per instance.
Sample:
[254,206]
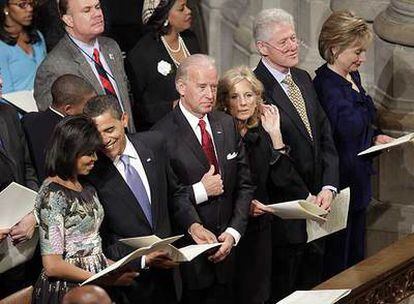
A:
[284,45]
[24,4]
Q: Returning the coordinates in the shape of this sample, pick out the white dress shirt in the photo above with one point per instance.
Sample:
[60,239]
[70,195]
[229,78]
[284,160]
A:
[135,162]
[200,192]
[87,52]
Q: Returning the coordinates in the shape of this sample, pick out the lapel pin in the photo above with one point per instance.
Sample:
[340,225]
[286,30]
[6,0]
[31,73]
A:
[148,160]
[219,132]
[111,56]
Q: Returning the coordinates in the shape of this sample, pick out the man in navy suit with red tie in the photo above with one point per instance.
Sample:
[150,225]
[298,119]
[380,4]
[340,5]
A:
[206,152]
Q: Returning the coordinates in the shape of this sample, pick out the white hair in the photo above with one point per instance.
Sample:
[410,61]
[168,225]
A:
[200,60]
[262,29]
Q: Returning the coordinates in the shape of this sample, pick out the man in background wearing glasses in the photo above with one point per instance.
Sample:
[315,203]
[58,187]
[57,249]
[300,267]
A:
[306,130]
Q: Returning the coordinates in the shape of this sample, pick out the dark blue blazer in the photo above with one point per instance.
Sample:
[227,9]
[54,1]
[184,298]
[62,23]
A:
[352,115]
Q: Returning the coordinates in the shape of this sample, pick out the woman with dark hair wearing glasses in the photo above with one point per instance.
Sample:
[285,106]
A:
[22,47]
[154,60]
[70,214]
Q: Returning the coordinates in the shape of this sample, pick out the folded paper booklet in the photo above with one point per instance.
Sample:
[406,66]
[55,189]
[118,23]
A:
[299,209]
[328,296]
[15,202]
[152,244]
[396,142]
[184,254]
[336,219]
[22,100]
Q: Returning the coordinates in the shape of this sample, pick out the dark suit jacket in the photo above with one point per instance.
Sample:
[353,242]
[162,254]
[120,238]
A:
[315,162]
[353,117]
[124,217]
[190,164]
[38,127]
[66,58]
[153,92]
[13,150]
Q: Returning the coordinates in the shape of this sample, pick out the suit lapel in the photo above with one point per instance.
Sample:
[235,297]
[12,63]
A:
[310,109]
[84,67]
[148,162]
[218,138]
[112,179]
[280,99]
[189,138]
[110,60]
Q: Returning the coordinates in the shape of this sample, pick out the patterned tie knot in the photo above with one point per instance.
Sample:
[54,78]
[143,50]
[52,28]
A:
[288,80]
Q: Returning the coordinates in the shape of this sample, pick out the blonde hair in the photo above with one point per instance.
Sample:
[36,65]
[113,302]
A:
[342,29]
[226,84]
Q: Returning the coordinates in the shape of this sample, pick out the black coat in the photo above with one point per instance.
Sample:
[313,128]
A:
[218,213]
[153,92]
[14,153]
[314,162]
[124,217]
[39,127]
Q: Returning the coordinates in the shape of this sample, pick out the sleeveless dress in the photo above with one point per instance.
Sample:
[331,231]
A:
[69,226]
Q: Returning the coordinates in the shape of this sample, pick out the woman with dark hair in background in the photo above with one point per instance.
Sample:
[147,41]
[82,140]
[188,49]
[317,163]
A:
[343,42]
[22,47]
[239,94]
[154,60]
[70,214]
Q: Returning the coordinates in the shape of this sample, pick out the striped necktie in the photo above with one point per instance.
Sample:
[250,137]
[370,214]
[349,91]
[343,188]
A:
[103,75]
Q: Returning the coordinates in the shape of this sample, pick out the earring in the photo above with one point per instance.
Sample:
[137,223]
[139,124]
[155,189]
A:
[166,22]
[6,13]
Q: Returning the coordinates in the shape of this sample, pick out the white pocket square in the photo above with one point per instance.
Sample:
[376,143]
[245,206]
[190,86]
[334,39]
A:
[231,155]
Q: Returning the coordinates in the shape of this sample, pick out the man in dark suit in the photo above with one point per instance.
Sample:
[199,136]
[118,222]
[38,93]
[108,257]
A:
[206,152]
[69,93]
[306,130]
[84,52]
[139,206]
[15,166]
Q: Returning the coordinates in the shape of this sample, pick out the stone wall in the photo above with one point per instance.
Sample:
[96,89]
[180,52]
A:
[387,75]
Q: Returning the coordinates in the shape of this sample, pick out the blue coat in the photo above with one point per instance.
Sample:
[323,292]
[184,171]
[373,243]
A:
[352,116]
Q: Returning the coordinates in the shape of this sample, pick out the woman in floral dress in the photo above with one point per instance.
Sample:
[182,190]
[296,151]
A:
[70,214]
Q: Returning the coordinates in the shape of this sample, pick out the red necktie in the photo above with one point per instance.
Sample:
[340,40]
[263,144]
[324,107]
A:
[207,145]
[103,76]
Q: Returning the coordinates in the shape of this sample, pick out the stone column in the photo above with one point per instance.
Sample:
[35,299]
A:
[393,215]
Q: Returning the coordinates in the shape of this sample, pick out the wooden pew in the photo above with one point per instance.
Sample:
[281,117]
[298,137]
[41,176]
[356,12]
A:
[384,278]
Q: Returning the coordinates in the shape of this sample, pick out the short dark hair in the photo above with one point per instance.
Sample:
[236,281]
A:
[73,137]
[99,105]
[70,89]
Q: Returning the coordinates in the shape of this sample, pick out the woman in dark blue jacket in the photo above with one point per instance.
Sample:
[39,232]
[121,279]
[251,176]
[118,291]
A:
[342,43]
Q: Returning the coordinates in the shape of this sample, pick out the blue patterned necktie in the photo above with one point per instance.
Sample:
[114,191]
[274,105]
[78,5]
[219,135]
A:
[136,185]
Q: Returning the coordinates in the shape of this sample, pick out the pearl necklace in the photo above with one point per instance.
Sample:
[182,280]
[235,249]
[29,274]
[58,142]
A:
[170,51]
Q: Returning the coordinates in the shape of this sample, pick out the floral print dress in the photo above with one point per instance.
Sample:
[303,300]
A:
[69,224]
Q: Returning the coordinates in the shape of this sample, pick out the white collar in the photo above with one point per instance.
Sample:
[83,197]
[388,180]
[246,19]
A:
[129,150]
[88,48]
[278,75]
[56,111]
[191,118]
